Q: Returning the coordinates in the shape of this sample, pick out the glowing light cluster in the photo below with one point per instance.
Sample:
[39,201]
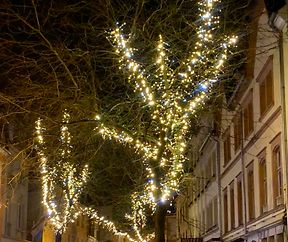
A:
[138,216]
[135,71]
[110,226]
[61,182]
[62,212]
[173,96]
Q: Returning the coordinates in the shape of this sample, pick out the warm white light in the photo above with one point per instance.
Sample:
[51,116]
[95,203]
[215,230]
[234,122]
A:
[171,97]
[60,215]
[167,91]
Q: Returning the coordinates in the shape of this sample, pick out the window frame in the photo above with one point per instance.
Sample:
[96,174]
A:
[263,182]
[251,190]
[277,170]
[240,199]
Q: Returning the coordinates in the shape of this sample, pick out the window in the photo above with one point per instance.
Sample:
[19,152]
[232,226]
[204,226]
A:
[250,183]
[215,211]
[209,215]
[239,199]
[277,176]
[265,79]
[232,206]
[214,163]
[225,207]
[227,146]
[280,237]
[248,116]
[271,238]
[262,181]
[237,131]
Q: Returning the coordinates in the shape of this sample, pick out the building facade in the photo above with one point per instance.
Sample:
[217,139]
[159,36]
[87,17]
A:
[14,196]
[238,187]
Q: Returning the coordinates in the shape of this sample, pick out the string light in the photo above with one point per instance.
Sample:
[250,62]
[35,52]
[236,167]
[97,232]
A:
[110,226]
[62,212]
[59,176]
[173,97]
[138,216]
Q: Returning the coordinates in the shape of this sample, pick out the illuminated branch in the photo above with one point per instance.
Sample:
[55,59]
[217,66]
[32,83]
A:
[175,96]
[138,217]
[110,226]
[60,175]
[135,70]
[62,211]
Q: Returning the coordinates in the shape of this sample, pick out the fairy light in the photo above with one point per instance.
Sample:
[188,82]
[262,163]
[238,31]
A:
[133,68]
[69,208]
[138,217]
[173,97]
[60,210]
[109,225]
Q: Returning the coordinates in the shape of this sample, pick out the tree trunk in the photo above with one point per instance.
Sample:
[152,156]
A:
[58,237]
[160,215]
